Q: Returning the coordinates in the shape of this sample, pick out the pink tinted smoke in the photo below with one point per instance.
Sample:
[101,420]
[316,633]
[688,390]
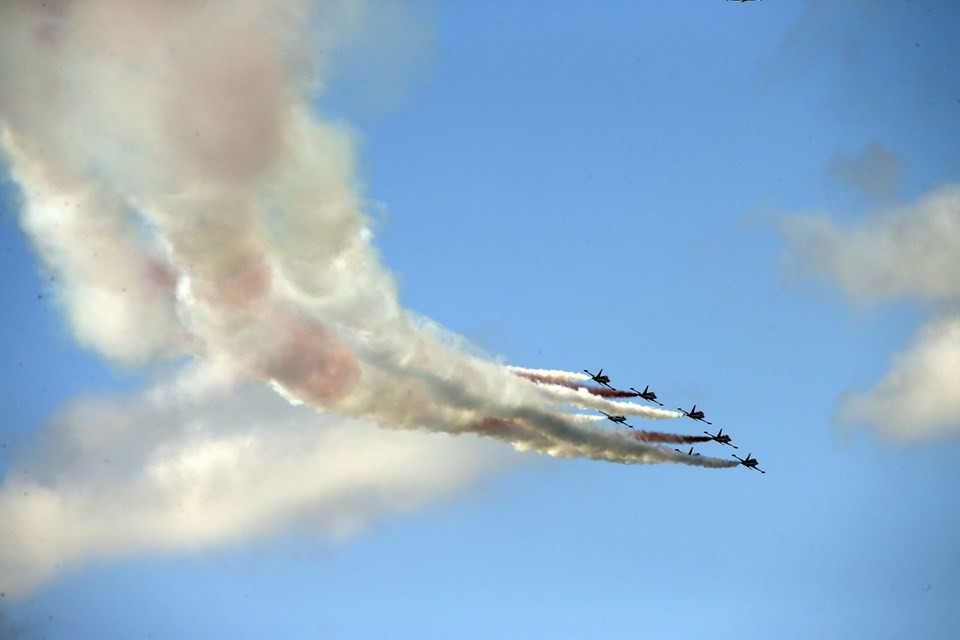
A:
[308,359]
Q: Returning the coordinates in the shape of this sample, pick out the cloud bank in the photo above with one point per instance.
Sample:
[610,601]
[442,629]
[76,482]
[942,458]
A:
[906,253]
[179,467]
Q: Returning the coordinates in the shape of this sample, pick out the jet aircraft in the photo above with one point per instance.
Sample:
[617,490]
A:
[617,419]
[600,378]
[646,394]
[693,413]
[749,462]
[721,438]
[689,453]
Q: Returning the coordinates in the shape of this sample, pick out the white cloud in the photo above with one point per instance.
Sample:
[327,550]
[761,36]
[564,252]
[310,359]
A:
[910,253]
[174,469]
[919,397]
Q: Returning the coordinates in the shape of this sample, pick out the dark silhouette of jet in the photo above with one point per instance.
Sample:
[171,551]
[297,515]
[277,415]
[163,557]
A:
[646,394]
[617,419]
[741,1]
[600,378]
[749,463]
[693,413]
[689,453]
[721,438]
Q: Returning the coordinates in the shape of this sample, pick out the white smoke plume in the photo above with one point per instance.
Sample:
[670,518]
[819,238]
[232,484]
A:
[913,253]
[584,399]
[550,374]
[587,417]
[192,204]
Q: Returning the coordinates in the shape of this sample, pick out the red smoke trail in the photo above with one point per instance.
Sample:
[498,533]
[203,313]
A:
[494,426]
[656,436]
[603,392]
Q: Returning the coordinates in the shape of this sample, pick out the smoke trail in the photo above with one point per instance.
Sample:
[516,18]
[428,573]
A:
[193,205]
[603,392]
[549,375]
[585,418]
[585,399]
[656,436]
[570,380]
[611,445]
[234,211]
[641,436]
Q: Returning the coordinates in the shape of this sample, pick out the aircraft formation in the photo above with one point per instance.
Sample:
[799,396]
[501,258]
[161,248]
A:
[694,414]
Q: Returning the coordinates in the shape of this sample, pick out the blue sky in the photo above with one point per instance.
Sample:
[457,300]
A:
[598,187]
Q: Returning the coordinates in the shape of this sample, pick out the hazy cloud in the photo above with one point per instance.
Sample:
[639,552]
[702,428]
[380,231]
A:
[905,253]
[392,47]
[884,69]
[909,252]
[919,397]
[194,462]
[875,172]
